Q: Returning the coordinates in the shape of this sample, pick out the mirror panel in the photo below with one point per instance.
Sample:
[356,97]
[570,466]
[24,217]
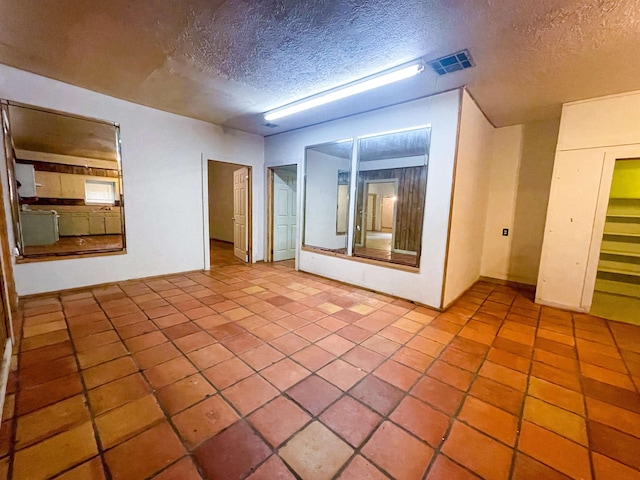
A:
[65,181]
[327,176]
[390,199]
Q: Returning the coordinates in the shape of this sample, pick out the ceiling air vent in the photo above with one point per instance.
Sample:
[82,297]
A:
[452,63]
[270,125]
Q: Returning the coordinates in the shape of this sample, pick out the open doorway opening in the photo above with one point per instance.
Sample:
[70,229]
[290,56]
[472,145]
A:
[229,191]
[282,213]
[617,290]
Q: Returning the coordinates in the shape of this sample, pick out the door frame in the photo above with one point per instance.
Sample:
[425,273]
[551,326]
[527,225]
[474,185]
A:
[363,238]
[205,207]
[611,155]
[270,199]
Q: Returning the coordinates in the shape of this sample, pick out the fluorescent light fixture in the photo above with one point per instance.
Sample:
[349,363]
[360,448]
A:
[353,88]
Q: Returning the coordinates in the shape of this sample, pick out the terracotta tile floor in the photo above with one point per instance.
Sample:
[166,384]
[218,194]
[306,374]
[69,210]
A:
[261,372]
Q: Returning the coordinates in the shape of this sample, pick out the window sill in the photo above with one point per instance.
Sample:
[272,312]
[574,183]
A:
[369,261]
[48,257]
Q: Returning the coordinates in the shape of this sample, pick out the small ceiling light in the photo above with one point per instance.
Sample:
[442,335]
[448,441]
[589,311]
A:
[353,88]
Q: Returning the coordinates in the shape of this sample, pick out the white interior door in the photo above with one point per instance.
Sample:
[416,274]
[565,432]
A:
[240,200]
[284,214]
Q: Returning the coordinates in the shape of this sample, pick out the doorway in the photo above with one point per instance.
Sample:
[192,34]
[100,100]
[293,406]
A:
[229,194]
[617,289]
[282,213]
[379,215]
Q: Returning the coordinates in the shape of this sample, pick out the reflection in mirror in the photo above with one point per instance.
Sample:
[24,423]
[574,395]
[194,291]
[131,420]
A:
[65,182]
[328,168]
[342,220]
[390,198]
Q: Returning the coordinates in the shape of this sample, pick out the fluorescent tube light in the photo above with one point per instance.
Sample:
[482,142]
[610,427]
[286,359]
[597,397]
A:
[359,86]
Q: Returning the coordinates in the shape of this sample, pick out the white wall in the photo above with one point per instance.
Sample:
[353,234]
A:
[164,185]
[593,134]
[441,111]
[221,200]
[469,208]
[322,199]
[534,184]
[506,153]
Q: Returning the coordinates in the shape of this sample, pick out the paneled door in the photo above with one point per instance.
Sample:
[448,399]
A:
[284,213]
[240,200]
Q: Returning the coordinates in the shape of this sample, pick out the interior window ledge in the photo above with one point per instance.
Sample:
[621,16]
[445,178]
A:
[370,261]
[71,256]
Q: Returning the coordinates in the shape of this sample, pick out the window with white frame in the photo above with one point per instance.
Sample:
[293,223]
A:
[101,192]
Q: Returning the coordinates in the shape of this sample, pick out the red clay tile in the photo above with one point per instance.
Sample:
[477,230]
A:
[526,468]
[169,372]
[233,453]
[46,422]
[397,374]
[183,469]
[195,341]
[128,420]
[489,419]
[33,398]
[363,358]
[209,356]
[351,420]
[421,420]
[312,357]
[504,375]
[272,469]
[606,468]
[278,420]
[314,394]
[184,393]
[181,330]
[289,343]
[341,374]
[438,394]
[227,373]
[250,393]
[614,444]
[359,468]
[156,355]
[556,419]
[118,392]
[285,373]
[620,397]
[38,374]
[454,376]
[397,452]
[445,469]
[555,451]
[558,376]
[58,453]
[484,456]
[204,419]
[145,454]
[557,395]
[147,340]
[497,394]
[377,394]
[137,329]
[315,452]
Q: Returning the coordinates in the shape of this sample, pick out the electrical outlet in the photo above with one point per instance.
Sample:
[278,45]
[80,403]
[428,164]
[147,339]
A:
[505,232]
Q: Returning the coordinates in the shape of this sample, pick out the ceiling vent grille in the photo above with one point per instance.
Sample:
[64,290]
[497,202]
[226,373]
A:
[270,125]
[452,63]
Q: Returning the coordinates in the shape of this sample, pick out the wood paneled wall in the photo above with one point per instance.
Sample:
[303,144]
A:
[412,189]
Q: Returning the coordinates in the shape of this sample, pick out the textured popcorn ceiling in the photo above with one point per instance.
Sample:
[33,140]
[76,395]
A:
[227,62]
